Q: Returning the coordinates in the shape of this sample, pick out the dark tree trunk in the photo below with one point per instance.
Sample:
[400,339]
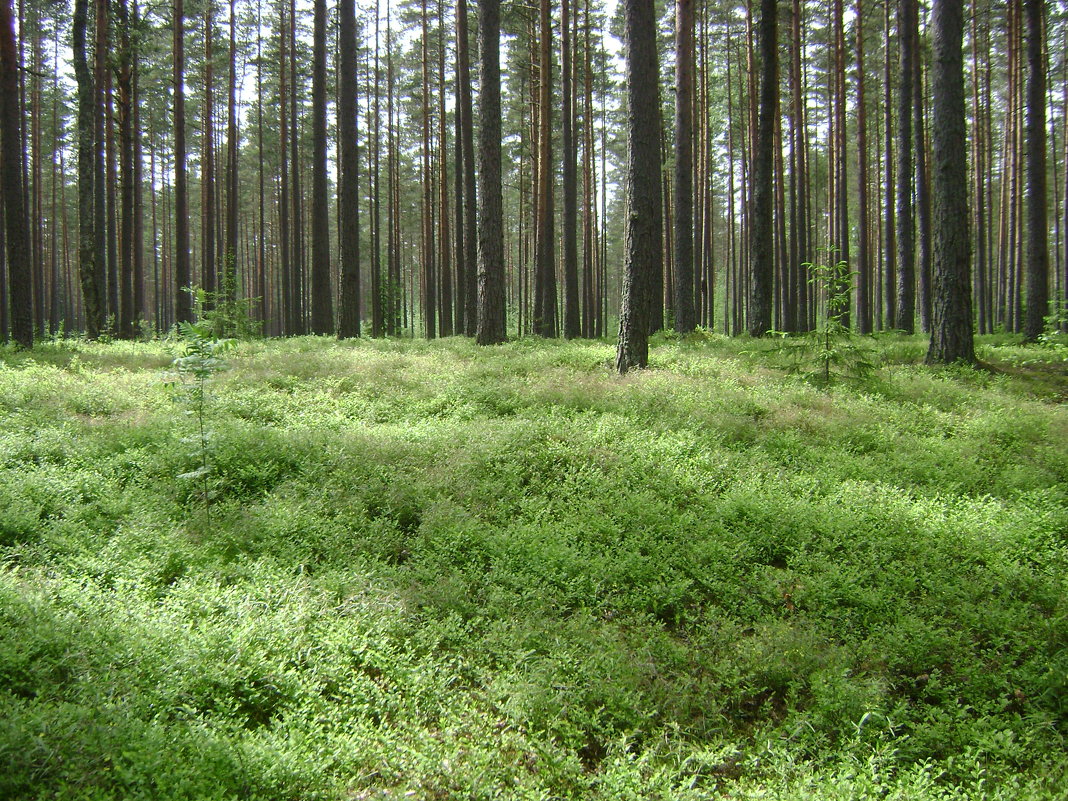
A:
[16,224]
[644,233]
[544,320]
[951,335]
[429,277]
[572,321]
[137,172]
[467,148]
[208,277]
[124,82]
[91,269]
[229,282]
[348,175]
[289,323]
[490,307]
[298,317]
[890,226]
[183,306]
[906,257]
[322,313]
[922,183]
[684,260]
[1037,223]
[761,242]
[100,182]
[863,256]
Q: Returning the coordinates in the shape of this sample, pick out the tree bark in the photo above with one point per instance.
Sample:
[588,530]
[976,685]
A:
[348,175]
[951,336]
[544,319]
[1037,223]
[91,270]
[490,311]
[322,312]
[16,224]
[644,233]
[572,327]
[760,229]
[684,98]
[906,259]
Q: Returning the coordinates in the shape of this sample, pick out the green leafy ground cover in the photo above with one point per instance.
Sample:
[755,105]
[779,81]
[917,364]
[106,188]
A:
[437,572]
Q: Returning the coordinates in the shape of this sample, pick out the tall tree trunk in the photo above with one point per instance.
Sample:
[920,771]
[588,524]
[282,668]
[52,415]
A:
[183,306]
[490,307]
[208,277]
[429,277]
[922,183]
[445,269]
[100,183]
[544,319]
[760,229]
[951,335]
[376,205]
[229,282]
[137,246]
[124,82]
[889,240]
[684,99]
[906,257]
[467,148]
[298,316]
[572,326]
[348,175]
[1037,222]
[644,232]
[863,257]
[16,225]
[91,269]
[322,312]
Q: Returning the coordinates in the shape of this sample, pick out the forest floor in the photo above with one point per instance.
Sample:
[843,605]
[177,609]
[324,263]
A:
[409,569]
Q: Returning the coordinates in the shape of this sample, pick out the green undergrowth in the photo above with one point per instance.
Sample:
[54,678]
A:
[435,571]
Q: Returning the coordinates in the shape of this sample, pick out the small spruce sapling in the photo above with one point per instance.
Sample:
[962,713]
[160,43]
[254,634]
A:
[832,348]
[200,361]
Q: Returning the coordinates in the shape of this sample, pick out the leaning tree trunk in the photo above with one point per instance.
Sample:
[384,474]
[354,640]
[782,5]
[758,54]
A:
[490,307]
[760,228]
[951,333]
[644,237]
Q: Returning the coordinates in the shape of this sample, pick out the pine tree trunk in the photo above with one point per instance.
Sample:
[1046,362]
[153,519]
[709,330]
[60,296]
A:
[1037,223]
[544,319]
[863,258]
[951,335]
[322,312]
[91,269]
[348,175]
[229,282]
[288,306]
[208,277]
[572,327]
[644,232]
[906,273]
[16,225]
[490,307]
[922,185]
[760,227]
[683,231]
[183,307]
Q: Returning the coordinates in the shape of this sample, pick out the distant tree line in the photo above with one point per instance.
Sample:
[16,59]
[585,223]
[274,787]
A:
[375,169]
